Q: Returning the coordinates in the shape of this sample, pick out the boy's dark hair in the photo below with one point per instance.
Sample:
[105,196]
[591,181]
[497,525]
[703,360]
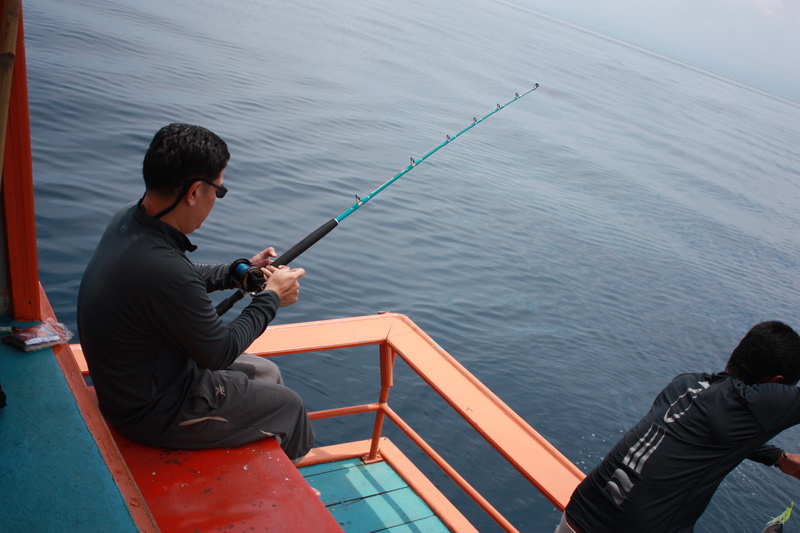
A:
[769,349]
[180,152]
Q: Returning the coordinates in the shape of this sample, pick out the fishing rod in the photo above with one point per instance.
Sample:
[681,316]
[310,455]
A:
[243,270]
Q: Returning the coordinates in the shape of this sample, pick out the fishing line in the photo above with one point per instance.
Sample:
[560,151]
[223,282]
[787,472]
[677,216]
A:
[312,238]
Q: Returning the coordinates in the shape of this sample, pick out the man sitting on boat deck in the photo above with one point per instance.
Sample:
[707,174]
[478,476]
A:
[166,369]
[662,474]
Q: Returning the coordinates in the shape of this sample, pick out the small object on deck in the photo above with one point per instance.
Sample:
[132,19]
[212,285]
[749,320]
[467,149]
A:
[44,335]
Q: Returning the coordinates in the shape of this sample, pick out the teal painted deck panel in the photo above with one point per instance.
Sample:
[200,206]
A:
[354,483]
[369,498]
[52,476]
[381,511]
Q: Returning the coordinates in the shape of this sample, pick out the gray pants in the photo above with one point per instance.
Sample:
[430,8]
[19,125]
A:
[243,403]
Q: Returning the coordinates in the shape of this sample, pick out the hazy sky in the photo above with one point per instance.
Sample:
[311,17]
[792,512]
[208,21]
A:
[755,41]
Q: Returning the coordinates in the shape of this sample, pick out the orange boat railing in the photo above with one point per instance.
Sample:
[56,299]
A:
[396,335]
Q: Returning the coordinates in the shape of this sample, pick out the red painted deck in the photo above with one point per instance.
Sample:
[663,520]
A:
[254,487]
[250,488]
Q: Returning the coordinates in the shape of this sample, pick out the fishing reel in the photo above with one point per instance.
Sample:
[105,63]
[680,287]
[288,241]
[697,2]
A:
[248,276]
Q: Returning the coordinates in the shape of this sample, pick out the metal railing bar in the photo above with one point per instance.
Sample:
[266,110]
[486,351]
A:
[344,411]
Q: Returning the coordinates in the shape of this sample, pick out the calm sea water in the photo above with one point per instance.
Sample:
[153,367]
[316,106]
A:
[628,221]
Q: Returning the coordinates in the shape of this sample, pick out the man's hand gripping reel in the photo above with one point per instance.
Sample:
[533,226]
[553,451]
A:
[250,278]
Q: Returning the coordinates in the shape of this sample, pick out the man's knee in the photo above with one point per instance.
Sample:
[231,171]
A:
[258,368]
[292,401]
[268,371]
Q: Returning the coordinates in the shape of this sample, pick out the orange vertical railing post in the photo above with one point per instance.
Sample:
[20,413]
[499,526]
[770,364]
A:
[387,382]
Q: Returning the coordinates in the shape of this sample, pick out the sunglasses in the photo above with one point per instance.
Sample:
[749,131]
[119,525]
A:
[220,192]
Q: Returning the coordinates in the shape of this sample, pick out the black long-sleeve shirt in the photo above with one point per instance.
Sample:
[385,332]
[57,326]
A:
[662,474]
[146,323]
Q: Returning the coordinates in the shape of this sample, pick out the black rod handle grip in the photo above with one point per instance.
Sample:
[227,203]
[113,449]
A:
[307,242]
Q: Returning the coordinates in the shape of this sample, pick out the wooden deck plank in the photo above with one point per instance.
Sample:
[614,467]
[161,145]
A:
[356,482]
[432,524]
[381,511]
[371,497]
[321,468]
[394,457]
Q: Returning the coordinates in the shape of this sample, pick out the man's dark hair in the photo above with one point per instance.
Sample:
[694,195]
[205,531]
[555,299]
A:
[769,349]
[180,152]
